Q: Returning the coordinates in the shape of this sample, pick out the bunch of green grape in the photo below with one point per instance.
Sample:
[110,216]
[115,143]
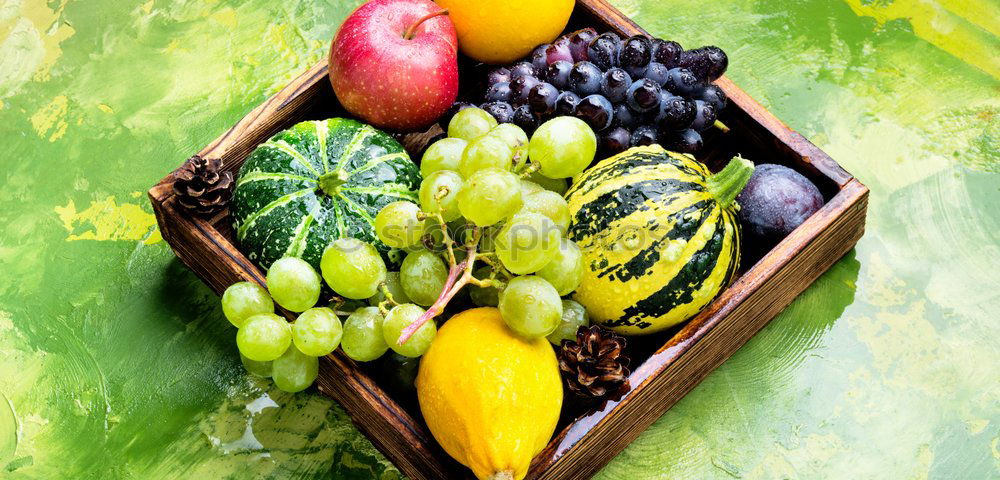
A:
[502,193]
[491,219]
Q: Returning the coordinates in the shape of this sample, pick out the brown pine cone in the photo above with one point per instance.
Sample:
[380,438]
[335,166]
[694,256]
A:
[201,188]
[594,365]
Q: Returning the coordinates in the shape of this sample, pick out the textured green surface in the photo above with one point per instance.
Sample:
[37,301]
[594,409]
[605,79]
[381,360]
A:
[116,362]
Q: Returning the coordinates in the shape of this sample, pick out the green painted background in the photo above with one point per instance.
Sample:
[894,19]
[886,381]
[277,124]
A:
[116,362]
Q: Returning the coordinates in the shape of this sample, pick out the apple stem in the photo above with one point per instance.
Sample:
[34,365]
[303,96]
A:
[410,32]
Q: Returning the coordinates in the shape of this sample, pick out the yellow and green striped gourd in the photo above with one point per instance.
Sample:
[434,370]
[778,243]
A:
[659,236]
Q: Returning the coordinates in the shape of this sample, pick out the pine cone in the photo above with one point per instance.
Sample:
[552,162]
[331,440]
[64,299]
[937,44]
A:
[200,187]
[594,365]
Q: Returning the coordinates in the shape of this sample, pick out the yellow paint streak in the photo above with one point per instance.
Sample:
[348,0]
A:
[954,31]
[226,17]
[52,29]
[106,220]
[105,108]
[50,120]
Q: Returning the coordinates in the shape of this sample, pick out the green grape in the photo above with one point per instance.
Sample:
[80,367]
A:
[264,337]
[573,317]
[563,146]
[398,318]
[485,152]
[516,139]
[530,306]
[395,287]
[243,300]
[470,124]
[294,371]
[529,187]
[352,268]
[261,369]
[439,191]
[484,296]
[443,154]
[293,284]
[550,204]
[398,224]
[317,332]
[565,271]
[489,196]
[527,242]
[423,275]
[363,340]
[558,185]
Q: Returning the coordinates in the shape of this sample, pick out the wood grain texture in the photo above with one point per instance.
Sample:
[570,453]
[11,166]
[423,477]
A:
[588,439]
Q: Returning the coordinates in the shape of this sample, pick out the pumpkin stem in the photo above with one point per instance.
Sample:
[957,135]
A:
[504,475]
[329,182]
[729,182]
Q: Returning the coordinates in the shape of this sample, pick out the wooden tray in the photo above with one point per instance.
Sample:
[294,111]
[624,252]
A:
[666,366]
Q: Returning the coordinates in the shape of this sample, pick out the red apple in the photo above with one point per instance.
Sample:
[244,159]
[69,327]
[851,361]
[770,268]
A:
[394,63]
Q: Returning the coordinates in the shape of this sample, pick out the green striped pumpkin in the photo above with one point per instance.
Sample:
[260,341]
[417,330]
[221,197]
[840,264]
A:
[316,182]
[659,236]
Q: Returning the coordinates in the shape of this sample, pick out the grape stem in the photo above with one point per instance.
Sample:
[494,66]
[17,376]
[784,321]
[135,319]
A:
[388,299]
[721,126]
[532,167]
[458,276]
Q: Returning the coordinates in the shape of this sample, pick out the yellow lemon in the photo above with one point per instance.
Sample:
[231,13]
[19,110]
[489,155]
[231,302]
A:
[501,31]
[490,397]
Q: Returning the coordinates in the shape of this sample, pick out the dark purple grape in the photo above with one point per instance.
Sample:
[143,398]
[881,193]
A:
[538,57]
[704,115]
[707,63]
[657,72]
[558,74]
[675,113]
[498,92]
[684,141]
[524,118]
[522,69]
[501,111]
[452,110]
[644,135]
[775,201]
[666,52]
[615,141]
[604,49]
[542,98]
[624,117]
[713,95]
[597,111]
[559,50]
[643,95]
[585,78]
[636,55]
[680,81]
[498,75]
[566,103]
[578,43]
[519,88]
[614,84]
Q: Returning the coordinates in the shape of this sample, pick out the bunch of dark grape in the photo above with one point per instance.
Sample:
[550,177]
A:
[636,91]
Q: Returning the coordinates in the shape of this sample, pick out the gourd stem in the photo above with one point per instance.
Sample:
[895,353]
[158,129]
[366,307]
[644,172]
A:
[729,182]
[329,182]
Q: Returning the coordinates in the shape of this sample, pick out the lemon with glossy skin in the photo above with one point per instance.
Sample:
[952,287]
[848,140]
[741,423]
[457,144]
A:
[501,31]
[489,397]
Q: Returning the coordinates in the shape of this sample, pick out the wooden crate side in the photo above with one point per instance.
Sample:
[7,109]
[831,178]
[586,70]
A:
[588,444]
